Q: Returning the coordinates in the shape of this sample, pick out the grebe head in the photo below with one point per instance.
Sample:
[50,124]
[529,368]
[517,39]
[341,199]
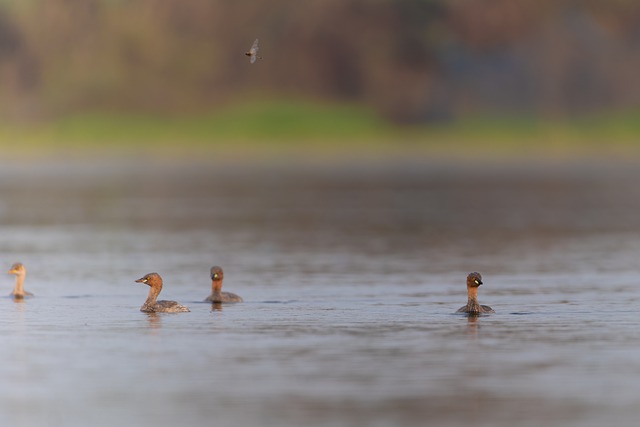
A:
[216,273]
[151,279]
[474,280]
[17,269]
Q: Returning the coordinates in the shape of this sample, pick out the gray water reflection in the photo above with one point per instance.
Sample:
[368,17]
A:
[350,275]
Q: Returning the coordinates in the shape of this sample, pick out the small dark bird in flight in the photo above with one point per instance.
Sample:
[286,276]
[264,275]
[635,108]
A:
[253,52]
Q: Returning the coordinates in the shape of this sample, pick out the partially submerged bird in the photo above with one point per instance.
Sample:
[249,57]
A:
[20,272]
[154,281]
[217,296]
[474,280]
[253,52]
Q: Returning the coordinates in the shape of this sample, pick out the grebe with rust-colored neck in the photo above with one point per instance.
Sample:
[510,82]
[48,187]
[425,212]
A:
[474,280]
[19,270]
[151,305]
[217,296]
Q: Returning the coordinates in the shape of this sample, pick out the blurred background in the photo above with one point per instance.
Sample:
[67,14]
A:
[472,70]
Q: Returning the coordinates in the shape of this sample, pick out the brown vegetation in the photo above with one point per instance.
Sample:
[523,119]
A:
[412,60]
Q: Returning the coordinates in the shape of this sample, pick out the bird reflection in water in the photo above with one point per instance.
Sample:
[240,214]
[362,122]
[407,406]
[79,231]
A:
[154,320]
[18,300]
[216,306]
[472,325]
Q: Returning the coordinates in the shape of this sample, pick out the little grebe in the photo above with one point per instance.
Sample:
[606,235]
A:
[154,281]
[20,272]
[474,280]
[216,288]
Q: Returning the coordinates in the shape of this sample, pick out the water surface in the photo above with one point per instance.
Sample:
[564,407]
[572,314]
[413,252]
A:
[350,274]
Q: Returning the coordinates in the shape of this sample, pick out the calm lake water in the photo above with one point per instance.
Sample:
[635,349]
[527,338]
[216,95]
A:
[350,275]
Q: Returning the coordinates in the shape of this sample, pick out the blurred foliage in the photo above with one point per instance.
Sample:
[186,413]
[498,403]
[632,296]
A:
[319,131]
[409,60]
[284,121]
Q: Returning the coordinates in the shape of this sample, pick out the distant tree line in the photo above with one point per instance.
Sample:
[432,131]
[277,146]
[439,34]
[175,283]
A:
[411,60]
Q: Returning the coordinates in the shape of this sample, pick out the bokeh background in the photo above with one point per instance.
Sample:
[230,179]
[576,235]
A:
[515,73]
